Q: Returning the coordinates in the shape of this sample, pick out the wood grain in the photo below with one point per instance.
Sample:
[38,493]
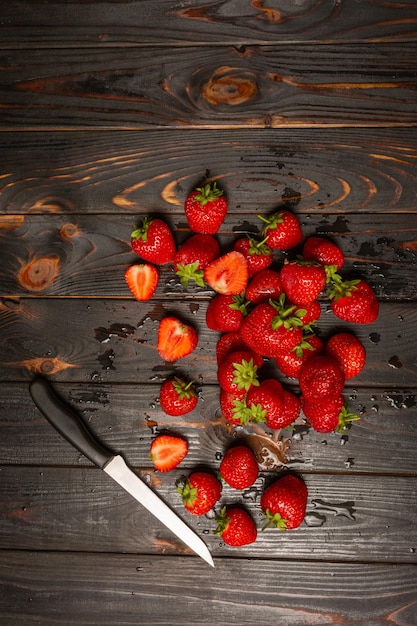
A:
[212,87]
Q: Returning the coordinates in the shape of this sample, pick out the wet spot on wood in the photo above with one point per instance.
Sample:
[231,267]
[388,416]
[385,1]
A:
[39,274]
[375,337]
[116,330]
[106,359]
[395,362]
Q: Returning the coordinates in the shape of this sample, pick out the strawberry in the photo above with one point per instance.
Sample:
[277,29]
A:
[321,378]
[267,403]
[177,396]
[302,281]
[234,408]
[272,328]
[205,209]
[290,363]
[264,286]
[354,301]
[258,254]
[323,251]
[236,527]
[229,342]
[192,257]
[310,315]
[228,274]
[167,451]
[175,339]
[284,502]
[142,280]
[349,352]
[328,415]
[282,230]
[200,492]
[238,371]
[239,467]
[153,241]
[226,313]
[292,406]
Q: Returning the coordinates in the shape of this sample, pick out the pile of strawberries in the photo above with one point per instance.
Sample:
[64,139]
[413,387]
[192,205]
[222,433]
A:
[260,313]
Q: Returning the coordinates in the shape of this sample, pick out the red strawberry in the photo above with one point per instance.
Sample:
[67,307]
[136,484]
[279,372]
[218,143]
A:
[290,363]
[354,301]
[175,339]
[234,409]
[310,315]
[236,527]
[154,241]
[302,281]
[229,342]
[177,396]
[258,254]
[292,406]
[205,209]
[349,352]
[142,280]
[239,467]
[167,451]
[328,415]
[284,502]
[238,371]
[226,313]
[323,251]
[282,229]
[272,328]
[200,492]
[267,403]
[321,378]
[228,274]
[193,256]
[264,286]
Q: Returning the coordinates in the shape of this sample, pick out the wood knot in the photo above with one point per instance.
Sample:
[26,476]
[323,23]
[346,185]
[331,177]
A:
[68,230]
[11,222]
[39,274]
[231,86]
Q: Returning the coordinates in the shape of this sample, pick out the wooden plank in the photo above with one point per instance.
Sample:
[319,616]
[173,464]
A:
[115,341]
[78,255]
[365,518]
[127,417]
[29,23]
[106,589]
[334,172]
[212,87]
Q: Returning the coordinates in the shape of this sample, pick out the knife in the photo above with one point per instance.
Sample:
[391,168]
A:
[70,425]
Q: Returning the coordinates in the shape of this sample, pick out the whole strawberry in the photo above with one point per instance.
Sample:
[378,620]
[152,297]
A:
[258,254]
[323,251]
[238,371]
[226,313]
[205,208]
[153,241]
[349,352]
[227,343]
[177,396]
[236,527]
[321,378]
[267,403]
[239,467]
[290,363]
[282,230]
[328,415]
[200,492]
[284,502]
[303,281]
[193,256]
[264,286]
[354,301]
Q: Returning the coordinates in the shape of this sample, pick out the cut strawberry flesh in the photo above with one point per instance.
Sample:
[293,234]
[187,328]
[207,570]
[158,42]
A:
[228,274]
[167,452]
[175,339]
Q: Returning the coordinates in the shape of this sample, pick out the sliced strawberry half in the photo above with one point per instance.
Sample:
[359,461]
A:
[228,274]
[167,451]
[142,280]
[175,339]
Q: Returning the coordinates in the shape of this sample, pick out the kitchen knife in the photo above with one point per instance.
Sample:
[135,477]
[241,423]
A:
[70,425]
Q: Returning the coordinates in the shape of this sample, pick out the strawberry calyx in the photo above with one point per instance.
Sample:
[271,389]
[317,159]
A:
[208,193]
[184,389]
[258,248]
[245,374]
[303,345]
[342,288]
[188,493]
[275,520]
[242,412]
[288,316]
[222,521]
[239,303]
[271,221]
[345,420]
[257,413]
[141,232]
[191,272]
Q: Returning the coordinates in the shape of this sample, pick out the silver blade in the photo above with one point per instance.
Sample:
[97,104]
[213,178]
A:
[122,474]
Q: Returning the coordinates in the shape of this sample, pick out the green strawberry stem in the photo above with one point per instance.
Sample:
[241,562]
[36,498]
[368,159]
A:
[208,193]
[342,288]
[245,374]
[222,522]
[288,316]
[191,272]
[141,232]
[188,493]
[259,247]
[345,420]
[275,519]
[242,412]
[271,221]
[185,390]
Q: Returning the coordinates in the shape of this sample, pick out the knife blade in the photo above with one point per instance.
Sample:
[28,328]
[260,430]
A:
[71,426]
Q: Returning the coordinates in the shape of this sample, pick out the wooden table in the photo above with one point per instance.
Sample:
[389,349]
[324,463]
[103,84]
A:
[115,110]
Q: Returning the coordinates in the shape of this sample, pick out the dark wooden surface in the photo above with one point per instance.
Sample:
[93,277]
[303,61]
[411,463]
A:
[114,110]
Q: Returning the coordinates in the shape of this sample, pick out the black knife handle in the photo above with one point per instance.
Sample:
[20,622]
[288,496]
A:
[67,422]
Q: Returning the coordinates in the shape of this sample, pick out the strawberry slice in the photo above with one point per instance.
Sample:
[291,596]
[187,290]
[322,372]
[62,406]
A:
[142,280]
[228,274]
[175,339]
[167,451]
